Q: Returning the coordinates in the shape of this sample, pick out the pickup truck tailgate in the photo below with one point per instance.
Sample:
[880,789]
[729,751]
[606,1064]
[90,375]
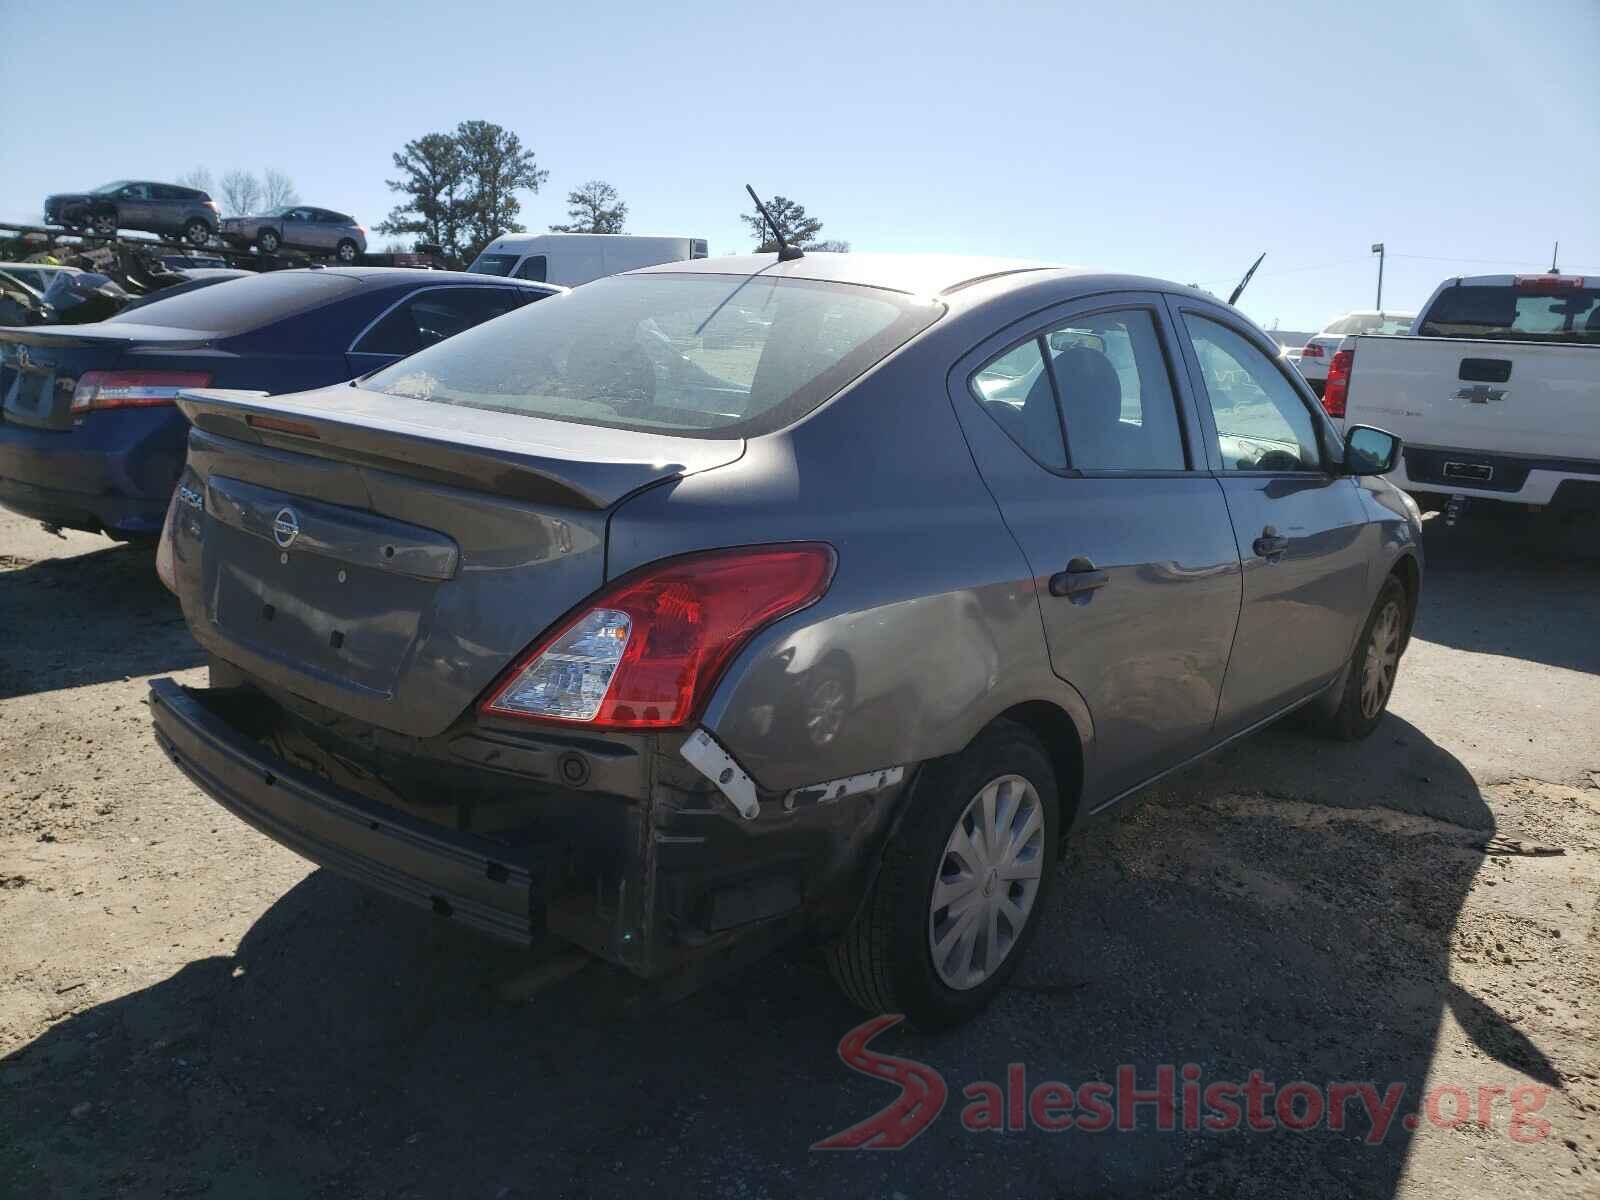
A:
[1531,400]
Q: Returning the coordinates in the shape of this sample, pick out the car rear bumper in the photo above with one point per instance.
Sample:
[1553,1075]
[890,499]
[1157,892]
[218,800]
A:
[455,874]
[660,875]
[115,471]
[1516,479]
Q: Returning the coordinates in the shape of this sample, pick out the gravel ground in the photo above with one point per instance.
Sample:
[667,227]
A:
[187,1009]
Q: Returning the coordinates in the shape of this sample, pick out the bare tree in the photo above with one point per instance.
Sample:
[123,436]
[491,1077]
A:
[277,189]
[199,178]
[831,246]
[241,193]
[594,208]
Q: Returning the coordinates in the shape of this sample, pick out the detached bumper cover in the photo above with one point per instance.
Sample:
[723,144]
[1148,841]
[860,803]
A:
[455,874]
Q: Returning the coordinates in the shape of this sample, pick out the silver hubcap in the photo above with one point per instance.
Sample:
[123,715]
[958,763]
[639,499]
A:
[269,243]
[826,714]
[347,252]
[988,880]
[1383,656]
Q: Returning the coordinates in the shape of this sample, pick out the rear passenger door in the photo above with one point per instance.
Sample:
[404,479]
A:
[1297,519]
[135,208]
[429,315]
[1078,424]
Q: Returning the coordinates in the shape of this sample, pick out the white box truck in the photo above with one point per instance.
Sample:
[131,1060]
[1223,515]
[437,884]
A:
[573,258]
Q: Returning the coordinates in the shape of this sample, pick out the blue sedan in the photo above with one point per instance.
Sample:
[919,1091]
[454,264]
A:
[89,435]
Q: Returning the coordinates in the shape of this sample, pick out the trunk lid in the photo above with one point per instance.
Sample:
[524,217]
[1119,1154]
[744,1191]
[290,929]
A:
[387,557]
[40,366]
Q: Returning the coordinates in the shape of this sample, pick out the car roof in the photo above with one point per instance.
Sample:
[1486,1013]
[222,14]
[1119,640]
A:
[917,274]
[420,274]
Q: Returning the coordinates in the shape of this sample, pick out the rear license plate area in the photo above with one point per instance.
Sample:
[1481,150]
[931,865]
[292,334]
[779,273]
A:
[27,393]
[1469,472]
[347,624]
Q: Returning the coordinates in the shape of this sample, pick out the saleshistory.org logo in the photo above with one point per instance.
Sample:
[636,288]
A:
[1178,1098]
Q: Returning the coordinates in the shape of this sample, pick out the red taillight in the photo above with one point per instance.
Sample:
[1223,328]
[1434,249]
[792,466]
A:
[645,652]
[132,389]
[1546,283]
[1312,350]
[1337,389]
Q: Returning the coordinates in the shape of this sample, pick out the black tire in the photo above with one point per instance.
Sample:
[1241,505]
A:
[104,224]
[196,232]
[269,241]
[1353,720]
[346,251]
[884,961]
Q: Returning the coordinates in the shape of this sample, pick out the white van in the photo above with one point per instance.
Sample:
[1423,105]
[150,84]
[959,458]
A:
[574,258]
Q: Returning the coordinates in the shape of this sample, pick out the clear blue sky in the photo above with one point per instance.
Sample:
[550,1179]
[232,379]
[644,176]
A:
[1176,139]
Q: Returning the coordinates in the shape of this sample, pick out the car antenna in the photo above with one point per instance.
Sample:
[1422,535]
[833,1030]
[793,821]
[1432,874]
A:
[1553,254]
[1239,291]
[786,252]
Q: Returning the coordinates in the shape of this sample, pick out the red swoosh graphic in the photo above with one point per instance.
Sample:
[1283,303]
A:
[921,1099]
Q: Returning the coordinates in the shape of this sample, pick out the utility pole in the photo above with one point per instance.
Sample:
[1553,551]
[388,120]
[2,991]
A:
[1377,248]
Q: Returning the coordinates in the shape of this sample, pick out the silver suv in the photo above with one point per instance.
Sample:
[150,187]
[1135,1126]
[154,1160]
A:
[299,227]
[164,208]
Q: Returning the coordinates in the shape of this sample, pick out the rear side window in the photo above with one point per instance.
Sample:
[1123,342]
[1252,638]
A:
[434,314]
[533,267]
[1116,394]
[706,355]
[1535,312]
[1015,390]
[240,305]
[493,264]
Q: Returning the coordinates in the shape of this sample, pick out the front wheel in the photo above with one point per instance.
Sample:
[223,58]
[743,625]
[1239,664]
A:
[957,898]
[347,251]
[197,232]
[104,224]
[269,241]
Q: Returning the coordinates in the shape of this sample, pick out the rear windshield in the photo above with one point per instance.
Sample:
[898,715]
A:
[493,264]
[240,305]
[703,355]
[1390,323]
[1529,313]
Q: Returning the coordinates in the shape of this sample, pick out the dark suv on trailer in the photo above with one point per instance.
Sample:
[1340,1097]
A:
[164,208]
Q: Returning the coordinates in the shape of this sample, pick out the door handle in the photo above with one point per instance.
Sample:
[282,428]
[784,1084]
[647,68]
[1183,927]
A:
[1079,579]
[1271,543]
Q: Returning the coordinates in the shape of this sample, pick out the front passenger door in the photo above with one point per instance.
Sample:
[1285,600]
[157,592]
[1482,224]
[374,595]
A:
[1297,520]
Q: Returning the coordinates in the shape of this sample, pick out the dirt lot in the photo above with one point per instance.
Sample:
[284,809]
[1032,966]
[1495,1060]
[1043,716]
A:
[187,1009]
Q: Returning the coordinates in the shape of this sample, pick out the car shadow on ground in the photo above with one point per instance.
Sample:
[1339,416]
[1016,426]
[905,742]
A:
[1238,920]
[1473,566]
[67,622]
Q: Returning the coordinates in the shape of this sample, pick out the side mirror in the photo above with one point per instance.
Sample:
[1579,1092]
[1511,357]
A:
[1369,451]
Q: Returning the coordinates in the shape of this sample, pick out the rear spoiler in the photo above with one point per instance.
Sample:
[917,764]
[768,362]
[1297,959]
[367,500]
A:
[525,458]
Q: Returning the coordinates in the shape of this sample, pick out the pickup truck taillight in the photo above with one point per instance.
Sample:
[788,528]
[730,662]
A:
[1311,350]
[1337,390]
[132,389]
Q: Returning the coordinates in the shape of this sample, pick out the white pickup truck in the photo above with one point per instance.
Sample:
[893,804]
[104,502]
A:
[1496,392]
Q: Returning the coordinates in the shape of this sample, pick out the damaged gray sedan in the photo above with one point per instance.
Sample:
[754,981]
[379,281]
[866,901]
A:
[739,600]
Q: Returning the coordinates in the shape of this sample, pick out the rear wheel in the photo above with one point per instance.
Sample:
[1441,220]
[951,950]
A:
[269,241]
[957,898]
[197,232]
[104,224]
[1373,666]
[347,251]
